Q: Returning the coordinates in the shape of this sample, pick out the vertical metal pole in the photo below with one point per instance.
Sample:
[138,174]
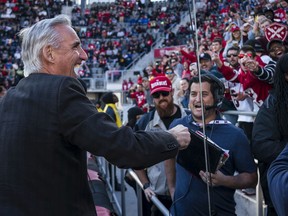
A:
[123,199]
[139,200]
[259,196]
[112,177]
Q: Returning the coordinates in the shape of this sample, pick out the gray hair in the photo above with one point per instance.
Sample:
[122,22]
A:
[34,38]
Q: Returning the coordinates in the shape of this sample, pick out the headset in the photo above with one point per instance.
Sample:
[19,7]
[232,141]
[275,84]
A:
[217,87]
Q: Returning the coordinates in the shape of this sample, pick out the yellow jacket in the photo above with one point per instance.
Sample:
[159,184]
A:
[113,106]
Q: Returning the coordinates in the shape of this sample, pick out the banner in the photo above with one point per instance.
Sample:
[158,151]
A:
[160,52]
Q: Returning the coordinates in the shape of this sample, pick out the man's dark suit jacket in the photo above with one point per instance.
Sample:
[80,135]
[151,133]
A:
[46,126]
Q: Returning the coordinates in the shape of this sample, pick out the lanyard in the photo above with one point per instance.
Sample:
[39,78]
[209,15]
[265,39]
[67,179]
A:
[213,122]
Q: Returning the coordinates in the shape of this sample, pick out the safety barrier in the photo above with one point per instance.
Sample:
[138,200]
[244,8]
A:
[110,182]
[103,167]
[154,199]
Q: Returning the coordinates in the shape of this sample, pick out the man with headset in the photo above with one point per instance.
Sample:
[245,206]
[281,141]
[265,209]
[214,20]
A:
[189,190]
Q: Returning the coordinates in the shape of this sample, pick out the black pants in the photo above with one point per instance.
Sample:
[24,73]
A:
[165,200]
[149,209]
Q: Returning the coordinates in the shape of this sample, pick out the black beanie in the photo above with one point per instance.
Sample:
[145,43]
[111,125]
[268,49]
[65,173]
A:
[133,112]
[107,98]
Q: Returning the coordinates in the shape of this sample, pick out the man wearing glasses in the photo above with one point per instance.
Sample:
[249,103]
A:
[154,178]
[229,101]
[232,57]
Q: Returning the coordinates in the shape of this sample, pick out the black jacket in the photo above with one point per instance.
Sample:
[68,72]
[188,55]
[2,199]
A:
[46,126]
[267,142]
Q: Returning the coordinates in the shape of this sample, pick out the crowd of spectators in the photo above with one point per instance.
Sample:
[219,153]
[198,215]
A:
[15,15]
[112,34]
[116,34]
[221,28]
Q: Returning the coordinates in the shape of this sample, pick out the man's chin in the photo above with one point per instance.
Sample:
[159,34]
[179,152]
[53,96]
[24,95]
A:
[164,111]
[197,116]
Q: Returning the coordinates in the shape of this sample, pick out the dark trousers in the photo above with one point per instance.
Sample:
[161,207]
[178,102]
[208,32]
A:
[165,200]
[149,209]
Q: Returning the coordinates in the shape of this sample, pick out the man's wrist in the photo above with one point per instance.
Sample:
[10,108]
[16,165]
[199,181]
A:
[146,185]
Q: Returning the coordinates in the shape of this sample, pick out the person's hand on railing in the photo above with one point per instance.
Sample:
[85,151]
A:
[182,135]
[149,193]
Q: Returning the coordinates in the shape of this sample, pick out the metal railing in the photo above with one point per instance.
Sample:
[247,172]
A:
[154,199]
[103,167]
[110,181]
[235,112]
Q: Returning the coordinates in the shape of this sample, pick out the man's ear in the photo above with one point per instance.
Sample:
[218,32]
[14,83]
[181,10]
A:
[48,53]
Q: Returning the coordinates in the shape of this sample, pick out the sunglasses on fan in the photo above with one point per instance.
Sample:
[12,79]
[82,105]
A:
[242,55]
[163,93]
[234,55]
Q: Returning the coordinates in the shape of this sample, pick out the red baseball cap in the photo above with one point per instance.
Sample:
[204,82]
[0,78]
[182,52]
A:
[235,28]
[160,83]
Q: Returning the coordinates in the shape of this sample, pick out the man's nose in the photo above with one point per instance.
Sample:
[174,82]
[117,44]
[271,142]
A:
[198,97]
[83,55]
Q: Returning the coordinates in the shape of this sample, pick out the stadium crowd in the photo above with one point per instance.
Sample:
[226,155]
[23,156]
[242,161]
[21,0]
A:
[114,35]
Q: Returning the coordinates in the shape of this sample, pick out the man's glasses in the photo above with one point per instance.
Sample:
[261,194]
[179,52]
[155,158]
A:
[242,55]
[163,93]
[169,72]
[234,55]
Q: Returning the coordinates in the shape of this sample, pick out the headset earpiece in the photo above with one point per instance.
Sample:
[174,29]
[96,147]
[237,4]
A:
[219,88]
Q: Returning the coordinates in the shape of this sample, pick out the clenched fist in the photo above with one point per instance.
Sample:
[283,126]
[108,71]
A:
[182,135]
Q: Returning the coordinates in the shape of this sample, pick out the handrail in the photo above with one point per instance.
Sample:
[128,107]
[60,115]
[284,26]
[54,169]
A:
[154,199]
[237,112]
[104,169]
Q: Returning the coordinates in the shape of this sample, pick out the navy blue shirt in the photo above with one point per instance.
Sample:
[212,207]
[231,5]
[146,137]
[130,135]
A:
[277,181]
[191,196]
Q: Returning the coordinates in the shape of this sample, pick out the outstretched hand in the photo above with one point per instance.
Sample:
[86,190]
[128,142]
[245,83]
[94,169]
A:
[252,65]
[182,135]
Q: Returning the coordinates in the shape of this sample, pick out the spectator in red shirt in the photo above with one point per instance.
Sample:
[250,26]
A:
[252,86]
[139,96]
